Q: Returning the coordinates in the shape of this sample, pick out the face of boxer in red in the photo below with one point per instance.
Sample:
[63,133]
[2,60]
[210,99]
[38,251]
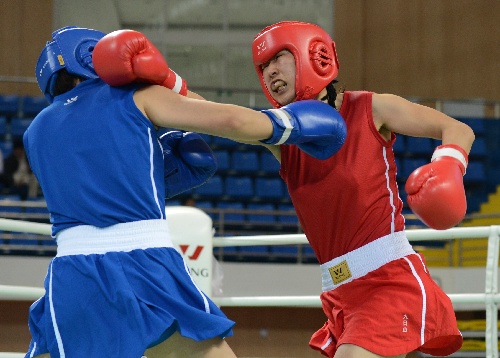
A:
[279,77]
[314,55]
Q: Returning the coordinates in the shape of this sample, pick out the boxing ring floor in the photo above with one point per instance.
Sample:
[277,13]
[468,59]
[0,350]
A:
[489,299]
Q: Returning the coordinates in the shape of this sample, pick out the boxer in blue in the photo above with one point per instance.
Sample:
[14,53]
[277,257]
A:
[117,287]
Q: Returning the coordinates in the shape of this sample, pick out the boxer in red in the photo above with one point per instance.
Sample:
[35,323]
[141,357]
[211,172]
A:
[378,295]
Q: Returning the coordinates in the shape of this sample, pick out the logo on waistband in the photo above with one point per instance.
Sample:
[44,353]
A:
[340,272]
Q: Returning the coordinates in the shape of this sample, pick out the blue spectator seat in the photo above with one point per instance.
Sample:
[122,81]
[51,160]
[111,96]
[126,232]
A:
[51,243]
[231,217]
[6,146]
[223,160]
[474,201]
[399,175]
[266,216]
[399,146]
[308,254]
[268,163]
[9,105]
[10,209]
[436,143]
[410,164]
[214,187]
[37,209]
[18,126]
[223,143]
[253,251]
[32,105]
[23,239]
[290,251]
[269,188]
[477,125]
[3,126]
[172,202]
[410,219]
[240,187]
[286,194]
[245,162]
[479,149]
[421,146]
[283,218]
[475,173]
[204,205]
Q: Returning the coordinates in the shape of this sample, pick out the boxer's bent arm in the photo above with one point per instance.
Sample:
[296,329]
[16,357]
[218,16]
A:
[167,109]
[194,95]
[399,115]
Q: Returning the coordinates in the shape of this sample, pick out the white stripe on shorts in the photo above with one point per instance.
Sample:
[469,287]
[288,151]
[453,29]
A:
[57,334]
[424,299]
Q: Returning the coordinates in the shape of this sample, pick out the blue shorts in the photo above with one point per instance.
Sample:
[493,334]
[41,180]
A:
[118,304]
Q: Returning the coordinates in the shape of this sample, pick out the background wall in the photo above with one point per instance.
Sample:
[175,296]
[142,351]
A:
[444,49]
[416,48]
[25,26]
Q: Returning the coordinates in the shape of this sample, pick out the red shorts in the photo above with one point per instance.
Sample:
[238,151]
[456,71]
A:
[395,309]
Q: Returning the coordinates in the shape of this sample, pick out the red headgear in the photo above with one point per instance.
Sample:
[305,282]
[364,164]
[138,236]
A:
[316,63]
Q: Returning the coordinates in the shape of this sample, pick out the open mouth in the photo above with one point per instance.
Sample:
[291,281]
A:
[278,86]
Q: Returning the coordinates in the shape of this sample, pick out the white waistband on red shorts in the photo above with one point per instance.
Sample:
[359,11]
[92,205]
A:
[87,239]
[359,262]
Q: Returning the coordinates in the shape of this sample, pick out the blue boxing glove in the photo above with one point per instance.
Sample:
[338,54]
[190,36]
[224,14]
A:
[188,161]
[315,127]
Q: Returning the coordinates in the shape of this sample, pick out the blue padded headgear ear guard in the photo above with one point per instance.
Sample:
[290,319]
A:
[71,48]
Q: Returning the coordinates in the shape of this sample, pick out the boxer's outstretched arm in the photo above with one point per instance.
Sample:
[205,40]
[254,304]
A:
[314,126]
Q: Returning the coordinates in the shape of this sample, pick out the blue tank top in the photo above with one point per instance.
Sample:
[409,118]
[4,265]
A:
[97,158]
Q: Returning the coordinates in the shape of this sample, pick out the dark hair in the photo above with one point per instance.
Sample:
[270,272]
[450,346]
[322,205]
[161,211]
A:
[17,143]
[65,82]
[331,93]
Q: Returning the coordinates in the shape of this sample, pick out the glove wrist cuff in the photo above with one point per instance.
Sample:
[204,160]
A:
[283,126]
[175,82]
[454,151]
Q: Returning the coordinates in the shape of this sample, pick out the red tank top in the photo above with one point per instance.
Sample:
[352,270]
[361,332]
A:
[352,198]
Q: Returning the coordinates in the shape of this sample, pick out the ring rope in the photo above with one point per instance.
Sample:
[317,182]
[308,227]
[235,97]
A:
[490,298]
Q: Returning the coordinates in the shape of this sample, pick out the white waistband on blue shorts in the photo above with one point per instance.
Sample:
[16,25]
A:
[359,262]
[87,239]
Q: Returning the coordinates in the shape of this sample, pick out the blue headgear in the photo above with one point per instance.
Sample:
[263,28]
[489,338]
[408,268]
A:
[71,48]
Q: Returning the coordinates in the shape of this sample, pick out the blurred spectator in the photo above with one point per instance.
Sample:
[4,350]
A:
[188,201]
[17,177]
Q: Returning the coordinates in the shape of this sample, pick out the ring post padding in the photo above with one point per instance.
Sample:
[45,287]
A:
[191,232]
[491,290]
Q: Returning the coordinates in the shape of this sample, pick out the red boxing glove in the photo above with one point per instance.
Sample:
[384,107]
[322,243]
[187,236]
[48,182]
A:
[436,190]
[126,56]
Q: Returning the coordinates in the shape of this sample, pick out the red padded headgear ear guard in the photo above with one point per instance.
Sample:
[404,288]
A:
[316,63]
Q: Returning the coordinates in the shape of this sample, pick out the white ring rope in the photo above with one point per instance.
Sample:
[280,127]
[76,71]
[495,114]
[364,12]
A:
[490,298]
